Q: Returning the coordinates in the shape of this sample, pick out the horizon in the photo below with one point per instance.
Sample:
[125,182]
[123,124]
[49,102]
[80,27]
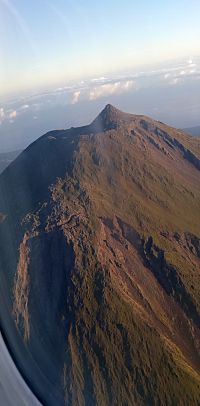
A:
[54,42]
[63,61]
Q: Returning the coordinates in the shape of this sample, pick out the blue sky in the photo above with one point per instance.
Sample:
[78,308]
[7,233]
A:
[49,42]
[62,61]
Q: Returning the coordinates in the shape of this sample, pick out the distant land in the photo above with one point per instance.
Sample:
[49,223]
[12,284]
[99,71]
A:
[193,130]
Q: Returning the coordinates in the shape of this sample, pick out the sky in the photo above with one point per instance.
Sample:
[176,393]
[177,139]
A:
[47,42]
[62,61]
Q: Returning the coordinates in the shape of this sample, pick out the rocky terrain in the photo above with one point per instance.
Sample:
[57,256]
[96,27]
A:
[100,263]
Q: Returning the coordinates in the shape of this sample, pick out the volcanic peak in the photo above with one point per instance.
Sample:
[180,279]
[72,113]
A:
[110,118]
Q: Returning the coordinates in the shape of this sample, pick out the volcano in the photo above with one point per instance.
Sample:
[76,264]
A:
[100,263]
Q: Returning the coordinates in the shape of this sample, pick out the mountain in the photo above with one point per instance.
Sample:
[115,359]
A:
[193,130]
[99,263]
[6,158]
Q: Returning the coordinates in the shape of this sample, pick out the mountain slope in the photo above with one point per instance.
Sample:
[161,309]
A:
[6,158]
[101,277]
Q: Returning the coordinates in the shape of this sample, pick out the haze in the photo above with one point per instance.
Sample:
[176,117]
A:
[62,61]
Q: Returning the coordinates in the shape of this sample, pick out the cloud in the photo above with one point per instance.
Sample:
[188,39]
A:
[75,97]
[183,72]
[12,115]
[170,74]
[175,81]
[101,79]
[97,88]
[190,61]
[2,115]
[9,115]
[110,89]
[24,107]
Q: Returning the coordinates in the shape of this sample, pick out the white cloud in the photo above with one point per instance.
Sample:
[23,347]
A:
[110,88]
[182,72]
[193,65]
[75,97]
[187,72]
[24,107]
[9,114]
[13,115]
[101,79]
[2,115]
[97,88]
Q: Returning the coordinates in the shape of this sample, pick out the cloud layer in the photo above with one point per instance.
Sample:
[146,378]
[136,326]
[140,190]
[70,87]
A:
[7,115]
[99,88]
[166,76]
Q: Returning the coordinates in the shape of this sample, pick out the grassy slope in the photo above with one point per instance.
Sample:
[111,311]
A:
[124,182]
[113,354]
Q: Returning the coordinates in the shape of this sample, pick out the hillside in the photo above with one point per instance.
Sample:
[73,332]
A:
[99,263]
[6,158]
